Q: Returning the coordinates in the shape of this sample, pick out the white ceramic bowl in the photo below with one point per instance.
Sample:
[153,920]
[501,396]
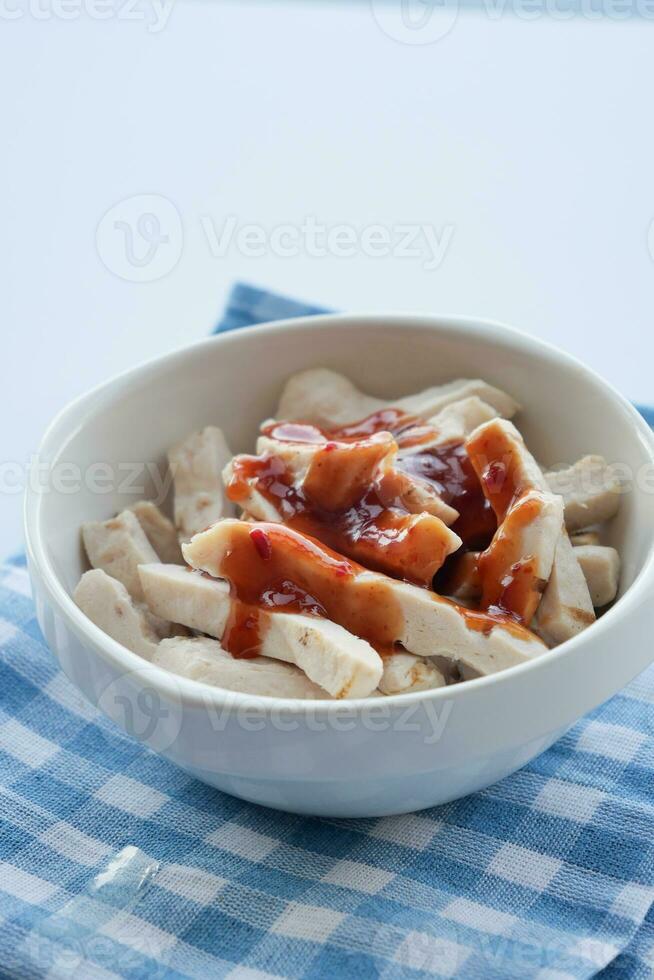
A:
[356,758]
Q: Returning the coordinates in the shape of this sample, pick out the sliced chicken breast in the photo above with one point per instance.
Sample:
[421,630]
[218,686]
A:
[346,475]
[196,464]
[590,489]
[108,604]
[504,465]
[434,626]
[318,488]
[380,609]
[566,607]
[204,660]
[337,661]
[515,568]
[118,546]
[456,421]
[252,502]
[404,672]
[329,399]
[428,403]
[159,531]
[507,471]
[184,595]
[601,567]
[337,474]
[325,398]
[418,497]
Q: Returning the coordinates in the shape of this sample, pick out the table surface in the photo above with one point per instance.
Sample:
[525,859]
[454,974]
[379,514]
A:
[493,166]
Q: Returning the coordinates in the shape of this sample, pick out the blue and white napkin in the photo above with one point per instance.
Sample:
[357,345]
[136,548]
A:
[113,863]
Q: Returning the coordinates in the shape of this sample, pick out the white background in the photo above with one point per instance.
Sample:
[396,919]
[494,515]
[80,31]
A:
[531,140]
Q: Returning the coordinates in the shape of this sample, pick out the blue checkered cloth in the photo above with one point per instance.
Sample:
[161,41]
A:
[113,863]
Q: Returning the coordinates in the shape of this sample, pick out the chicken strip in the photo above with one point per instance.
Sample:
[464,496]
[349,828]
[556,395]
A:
[108,604]
[198,601]
[590,490]
[404,672]
[342,664]
[204,660]
[507,469]
[601,567]
[456,421]
[325,398]
[515,568]
[159,531]
[118,546]
[347,495]
[254,503]
[566,607]
[347,469]
[504,465]
[196,465]
[430,402]
[329,399]
[271,560]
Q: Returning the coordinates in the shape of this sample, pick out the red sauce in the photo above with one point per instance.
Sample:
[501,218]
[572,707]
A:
[262,543]
[302,575]
[508,576]
[392,420]
[519,591]
[242,636]
[342,499]
[446,468]
[494,459]
[342,473]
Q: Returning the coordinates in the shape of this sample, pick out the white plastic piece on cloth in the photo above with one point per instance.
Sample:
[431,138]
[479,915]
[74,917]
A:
[79,935]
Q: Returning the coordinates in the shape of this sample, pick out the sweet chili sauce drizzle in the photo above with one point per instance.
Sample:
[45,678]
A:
[374,527]
[242,635]
[342,501]
[305,576]
[368,522]
[301,576]
[446,468]
[262,567]
[508,576]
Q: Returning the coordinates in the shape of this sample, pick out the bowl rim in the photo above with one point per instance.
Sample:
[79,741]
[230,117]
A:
[200,694]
